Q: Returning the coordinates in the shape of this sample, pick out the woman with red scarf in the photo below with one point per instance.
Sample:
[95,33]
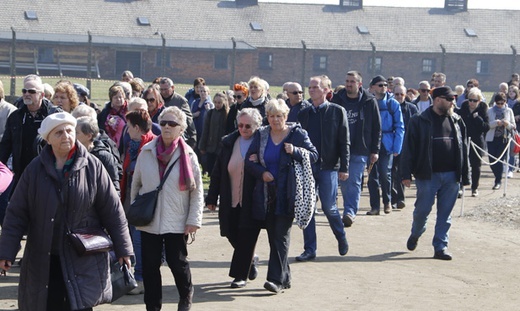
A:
[178,212]
[139,127]
[112,118]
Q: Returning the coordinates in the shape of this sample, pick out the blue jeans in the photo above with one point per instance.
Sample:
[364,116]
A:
[351,188]
[446,187]
[136,243]
[495,148]
[381,175]
[327,183]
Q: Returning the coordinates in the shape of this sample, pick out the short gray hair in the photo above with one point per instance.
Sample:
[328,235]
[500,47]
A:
[253,113]
[88,125]
[84,111]
[179,114]
[274,106]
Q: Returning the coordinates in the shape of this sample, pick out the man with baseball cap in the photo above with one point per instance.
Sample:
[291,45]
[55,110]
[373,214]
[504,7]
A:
[435,151]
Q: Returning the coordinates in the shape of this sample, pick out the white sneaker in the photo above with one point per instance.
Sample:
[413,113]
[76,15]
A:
[509,174]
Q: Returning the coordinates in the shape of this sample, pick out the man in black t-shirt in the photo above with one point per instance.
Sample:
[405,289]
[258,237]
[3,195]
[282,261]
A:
[435,151]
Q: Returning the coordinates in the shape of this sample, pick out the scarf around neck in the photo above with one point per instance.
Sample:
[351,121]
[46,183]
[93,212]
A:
[164,155]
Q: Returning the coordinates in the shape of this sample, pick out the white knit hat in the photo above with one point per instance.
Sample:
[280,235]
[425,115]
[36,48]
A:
[53,120]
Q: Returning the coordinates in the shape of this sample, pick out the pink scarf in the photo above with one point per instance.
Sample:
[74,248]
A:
[164,155]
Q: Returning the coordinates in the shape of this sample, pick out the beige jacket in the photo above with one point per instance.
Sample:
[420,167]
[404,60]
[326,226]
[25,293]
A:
[175,208]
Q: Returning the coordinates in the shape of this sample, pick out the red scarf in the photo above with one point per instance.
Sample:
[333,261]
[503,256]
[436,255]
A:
[164,155]
[145,138]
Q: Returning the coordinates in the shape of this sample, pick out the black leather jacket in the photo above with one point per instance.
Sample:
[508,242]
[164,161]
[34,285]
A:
[416,157]
[370,125]
[335,140]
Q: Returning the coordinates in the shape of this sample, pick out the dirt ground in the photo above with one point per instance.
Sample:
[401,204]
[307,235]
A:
[378,273]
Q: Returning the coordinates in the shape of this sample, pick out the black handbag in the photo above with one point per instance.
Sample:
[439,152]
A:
[123,280]
[88,241]
[142,208]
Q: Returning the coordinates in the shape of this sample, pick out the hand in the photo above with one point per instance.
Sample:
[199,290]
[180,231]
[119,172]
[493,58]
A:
[505,123]
[342,176]
[499,122]
[253,158]
[206,106]
[374,157]
[126,260]
[396,154]
[406,183]
[289,148]
[190,229]
[5,265]
[196,114]
[475,114]
[211,207]
[267,177]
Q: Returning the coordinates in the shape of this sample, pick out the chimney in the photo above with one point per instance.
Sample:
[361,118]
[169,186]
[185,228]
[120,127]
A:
[354,4]
[246,2]
[456,5]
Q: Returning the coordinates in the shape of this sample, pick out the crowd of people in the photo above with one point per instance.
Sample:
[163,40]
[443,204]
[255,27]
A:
[84,165]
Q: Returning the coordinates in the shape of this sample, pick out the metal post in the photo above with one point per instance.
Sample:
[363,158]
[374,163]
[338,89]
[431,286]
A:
[163,61]
[233,63]
[443,59]
[89,62]
[13,63]
[304,50]
[373,59]
[513,63]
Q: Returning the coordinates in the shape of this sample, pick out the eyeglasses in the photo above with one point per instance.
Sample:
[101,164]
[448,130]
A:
[399,94]
[170,123]
[296,92]
[30,91]
[500,103]
[473,100]
[237,96]
[382,84]
[247,126]
[424,90]
[450,99]
[150,100]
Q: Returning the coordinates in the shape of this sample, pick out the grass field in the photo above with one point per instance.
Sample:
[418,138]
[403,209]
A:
[99,91]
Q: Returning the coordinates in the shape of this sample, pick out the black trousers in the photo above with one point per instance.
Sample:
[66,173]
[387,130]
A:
[279,234]
[57,299]
[243,239]
[175,248]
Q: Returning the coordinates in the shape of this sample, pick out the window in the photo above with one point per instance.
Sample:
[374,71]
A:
[45,55]
[428,65]
[158,59]
[265,61]
[482,67]
[221,61]
[319,62]
[377,65]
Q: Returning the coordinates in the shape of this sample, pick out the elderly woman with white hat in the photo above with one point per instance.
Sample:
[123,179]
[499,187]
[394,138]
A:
[63,188]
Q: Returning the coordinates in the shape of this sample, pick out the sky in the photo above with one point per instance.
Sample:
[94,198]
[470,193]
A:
[472,4]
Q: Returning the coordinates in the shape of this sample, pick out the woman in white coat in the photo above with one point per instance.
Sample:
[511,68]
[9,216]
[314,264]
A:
[501,125]
[179,207]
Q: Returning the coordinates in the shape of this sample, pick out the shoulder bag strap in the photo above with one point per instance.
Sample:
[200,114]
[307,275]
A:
[159,188]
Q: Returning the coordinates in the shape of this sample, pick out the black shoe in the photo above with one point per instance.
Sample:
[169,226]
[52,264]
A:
[253,271]
[442,255]
[401,205]
[272,287]
[343,246]
[185,303]
[411,244]
[238,283]
[373,212]
[305,257]
[496,186]
[348,221]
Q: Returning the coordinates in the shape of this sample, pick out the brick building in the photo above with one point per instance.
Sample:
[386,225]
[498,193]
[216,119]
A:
[230,40]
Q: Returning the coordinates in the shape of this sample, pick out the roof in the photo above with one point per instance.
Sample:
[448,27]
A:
[212,23]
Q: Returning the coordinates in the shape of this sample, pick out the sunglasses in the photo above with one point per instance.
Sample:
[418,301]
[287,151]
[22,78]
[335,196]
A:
[473,100]
[399,94]
[170,123]
[424,90]
[296,92]
[30,91]
[500,103]
[150,100]
[450,99]
[237,96]
[382,84]
[247,126]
